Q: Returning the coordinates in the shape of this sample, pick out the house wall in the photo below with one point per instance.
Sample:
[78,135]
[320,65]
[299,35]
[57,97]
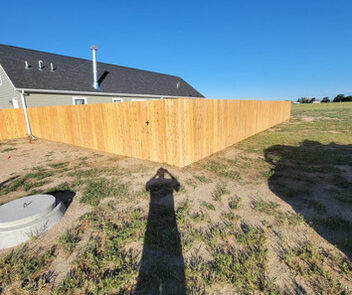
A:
[48,99]
[7,91]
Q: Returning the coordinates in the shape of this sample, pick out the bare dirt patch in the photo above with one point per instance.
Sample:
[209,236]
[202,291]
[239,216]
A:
[269,215]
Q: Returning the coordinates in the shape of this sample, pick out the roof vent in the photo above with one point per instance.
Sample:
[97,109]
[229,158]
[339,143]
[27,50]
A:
[95,71]
[178,84]
[40,64]
[52,69]
[26,65]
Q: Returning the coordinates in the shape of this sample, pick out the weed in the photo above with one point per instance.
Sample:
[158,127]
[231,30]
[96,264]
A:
[219,191]
[317,206]
[58,165]
[69,240]
[29,185]
[208,205]
[25,182]
[230,216]
[334,222]
[101,268]
[202,179]
[182,211]
[30,270]
[269,208]
[100,188]
[222,170]
[243,269]
[199,216]
[234,202]
[8,150]
[65,186]
[307,260]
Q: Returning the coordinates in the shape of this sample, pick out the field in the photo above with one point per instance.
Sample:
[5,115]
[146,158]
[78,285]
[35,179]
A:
[270,215]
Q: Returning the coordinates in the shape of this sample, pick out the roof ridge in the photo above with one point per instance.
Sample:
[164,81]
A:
[84,59]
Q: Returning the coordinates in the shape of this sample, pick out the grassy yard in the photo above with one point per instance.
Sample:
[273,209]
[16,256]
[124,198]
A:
[270,215]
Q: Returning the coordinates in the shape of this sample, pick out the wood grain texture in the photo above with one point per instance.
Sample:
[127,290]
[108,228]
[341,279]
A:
[178,131]
[12,124]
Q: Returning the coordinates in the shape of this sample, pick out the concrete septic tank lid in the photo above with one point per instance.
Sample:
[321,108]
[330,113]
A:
[32,215]
[26,209]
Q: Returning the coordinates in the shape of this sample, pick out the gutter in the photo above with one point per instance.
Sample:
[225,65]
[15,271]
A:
[100,93]
[24,106]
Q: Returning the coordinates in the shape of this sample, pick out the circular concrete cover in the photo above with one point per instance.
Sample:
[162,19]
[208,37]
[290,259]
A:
[26,217]
[24,210]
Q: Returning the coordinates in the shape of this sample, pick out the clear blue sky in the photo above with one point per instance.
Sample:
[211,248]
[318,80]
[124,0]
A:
[225,49]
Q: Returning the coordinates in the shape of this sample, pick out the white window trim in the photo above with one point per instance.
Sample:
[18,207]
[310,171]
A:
[78,97]
[17,103]
[139,99]
[117,99]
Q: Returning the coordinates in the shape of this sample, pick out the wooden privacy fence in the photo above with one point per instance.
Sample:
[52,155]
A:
[12,124]
[177,131]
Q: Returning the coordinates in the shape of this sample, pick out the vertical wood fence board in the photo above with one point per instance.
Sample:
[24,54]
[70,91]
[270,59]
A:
[177,131]
[12,124]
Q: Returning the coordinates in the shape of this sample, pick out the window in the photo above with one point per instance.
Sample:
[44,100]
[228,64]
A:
[79,100]
[117,100]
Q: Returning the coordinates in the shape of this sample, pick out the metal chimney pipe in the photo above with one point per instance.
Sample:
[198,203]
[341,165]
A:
[95,71]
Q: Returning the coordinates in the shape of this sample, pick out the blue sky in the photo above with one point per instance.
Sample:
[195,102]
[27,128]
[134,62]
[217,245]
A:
[225,49]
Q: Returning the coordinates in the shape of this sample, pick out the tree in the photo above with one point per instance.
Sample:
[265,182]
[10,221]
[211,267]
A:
[339,98]
[347,98]
[303,100]
[312,99]
[325,99]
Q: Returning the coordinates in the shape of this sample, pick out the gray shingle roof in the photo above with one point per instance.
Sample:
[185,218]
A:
[75,74]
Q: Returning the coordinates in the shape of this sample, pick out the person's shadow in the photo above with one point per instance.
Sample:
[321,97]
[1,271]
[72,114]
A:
[162,269]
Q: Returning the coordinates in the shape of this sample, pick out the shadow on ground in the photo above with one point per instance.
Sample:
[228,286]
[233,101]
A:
[66,197]
[316,180]
[162,269]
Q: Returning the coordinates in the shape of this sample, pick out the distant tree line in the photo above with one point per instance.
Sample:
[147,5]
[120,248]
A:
[326,99]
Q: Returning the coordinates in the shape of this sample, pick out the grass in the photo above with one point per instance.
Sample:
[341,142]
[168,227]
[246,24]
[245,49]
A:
[32,179]
[208,205]
[228,243]
[219,191]
[8,150]
[317,206]
[202,178]
[222,170]
[272,209]
[243,269]
[69,240]
[30,270]
[308,261]
[103,265]
[101,188]
[234,202]
[334,222]
[58,165]
[199,216]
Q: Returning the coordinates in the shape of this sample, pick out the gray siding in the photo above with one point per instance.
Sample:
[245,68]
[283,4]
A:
[7,92]
[43,99]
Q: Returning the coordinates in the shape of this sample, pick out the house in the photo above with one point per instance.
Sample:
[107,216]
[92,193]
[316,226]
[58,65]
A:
[43,79]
